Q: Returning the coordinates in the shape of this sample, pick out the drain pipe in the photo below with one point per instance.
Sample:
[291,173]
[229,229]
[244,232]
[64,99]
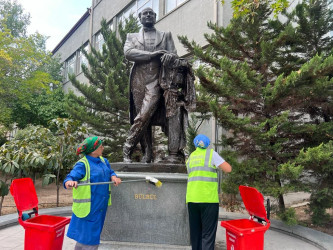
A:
[91,12]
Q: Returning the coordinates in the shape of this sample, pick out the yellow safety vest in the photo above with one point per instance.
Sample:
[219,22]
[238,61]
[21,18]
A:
[82,194]
[202,183]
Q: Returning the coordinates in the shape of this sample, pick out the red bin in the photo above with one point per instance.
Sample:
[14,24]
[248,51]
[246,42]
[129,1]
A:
[42,232]
[248,233]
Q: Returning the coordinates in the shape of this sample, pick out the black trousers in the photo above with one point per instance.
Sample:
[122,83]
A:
[203,219]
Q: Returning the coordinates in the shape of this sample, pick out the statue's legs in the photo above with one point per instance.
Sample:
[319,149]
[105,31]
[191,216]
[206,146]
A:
[147,145]
[175,137]
[142,121]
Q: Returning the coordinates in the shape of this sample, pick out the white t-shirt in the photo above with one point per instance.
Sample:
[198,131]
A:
[217,160]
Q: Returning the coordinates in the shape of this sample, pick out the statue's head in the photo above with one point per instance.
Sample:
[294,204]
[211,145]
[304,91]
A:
[147,17]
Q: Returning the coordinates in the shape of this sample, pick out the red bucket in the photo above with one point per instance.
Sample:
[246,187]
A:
[42,232]
[247,233]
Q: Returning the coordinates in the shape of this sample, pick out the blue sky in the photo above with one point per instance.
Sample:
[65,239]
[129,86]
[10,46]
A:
[54,18]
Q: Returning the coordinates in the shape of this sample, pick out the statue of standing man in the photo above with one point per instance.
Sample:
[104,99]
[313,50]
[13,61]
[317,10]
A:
[151,51]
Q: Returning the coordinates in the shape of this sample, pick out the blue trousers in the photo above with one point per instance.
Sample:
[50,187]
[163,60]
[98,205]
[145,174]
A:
[203,219]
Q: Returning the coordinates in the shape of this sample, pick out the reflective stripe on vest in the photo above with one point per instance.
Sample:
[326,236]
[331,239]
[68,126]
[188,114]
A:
[202,184]
[82,194]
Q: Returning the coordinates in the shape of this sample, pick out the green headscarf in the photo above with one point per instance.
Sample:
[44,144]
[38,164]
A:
[89,145]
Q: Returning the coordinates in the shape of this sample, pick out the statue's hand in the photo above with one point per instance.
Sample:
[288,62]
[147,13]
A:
[158,53]
[167,58]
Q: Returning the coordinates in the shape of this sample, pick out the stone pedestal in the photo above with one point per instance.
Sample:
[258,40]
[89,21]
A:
[143,213]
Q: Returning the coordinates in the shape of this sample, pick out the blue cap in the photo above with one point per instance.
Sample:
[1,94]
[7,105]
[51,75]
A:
[201,141]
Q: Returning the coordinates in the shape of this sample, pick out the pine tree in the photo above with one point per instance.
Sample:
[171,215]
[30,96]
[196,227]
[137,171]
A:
[269,83]
[103,104]
[311,41]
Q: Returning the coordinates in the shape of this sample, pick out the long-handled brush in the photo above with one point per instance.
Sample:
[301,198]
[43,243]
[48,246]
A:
[148,179]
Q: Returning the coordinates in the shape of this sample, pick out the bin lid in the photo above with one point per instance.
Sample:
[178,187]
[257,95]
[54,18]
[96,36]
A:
[253,201]
[24,193]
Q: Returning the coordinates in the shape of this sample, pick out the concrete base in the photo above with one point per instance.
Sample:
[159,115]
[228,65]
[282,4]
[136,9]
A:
[116,245]
[143,213]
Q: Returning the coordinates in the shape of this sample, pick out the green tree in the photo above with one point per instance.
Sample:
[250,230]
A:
[318,162]
[36,151]
[3,132]
[195,123]
[23,156]
[41,108]
[103,104]
[68,134]
[270,99]
[4,190]
[13,17]
[248,8]
[26,68]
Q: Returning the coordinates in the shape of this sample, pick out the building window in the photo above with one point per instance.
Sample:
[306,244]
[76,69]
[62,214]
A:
[70,66]
[82,58]
[111,26]
[99,41]
[137,6]
[172,4]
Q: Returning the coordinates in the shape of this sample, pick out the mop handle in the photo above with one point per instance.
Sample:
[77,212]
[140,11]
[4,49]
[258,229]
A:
[107,182]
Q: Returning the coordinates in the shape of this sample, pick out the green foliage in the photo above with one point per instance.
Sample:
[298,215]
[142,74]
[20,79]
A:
[13,17]
[248,8]
[41,152]
[289,216]
[192,131]
[104,103]
[26,68]
[68,134]
[24,154]
[320,201]
[41,108]
[191,134]
[269,83]
[319,160]
[4,188]
[3,138]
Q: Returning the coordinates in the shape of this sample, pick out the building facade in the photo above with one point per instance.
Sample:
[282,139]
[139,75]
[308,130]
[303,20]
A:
[180,17]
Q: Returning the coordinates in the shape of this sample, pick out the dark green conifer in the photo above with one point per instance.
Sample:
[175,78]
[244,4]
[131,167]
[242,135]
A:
[269,83]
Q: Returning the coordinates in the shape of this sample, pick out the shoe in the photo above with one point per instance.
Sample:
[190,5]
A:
[126,155]
[146,159]
[127,160]
[174,159]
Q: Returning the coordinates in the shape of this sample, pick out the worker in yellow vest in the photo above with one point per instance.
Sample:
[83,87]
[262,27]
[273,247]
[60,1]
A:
[89,202]
[202,193]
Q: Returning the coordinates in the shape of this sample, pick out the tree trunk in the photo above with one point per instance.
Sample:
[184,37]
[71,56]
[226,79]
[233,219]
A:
[1,202]
[34,178]
[57,195]
[58,172]
[20,173]
[282,207]
[57,182]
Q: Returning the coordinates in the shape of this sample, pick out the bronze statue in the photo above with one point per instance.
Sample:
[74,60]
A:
[155,60]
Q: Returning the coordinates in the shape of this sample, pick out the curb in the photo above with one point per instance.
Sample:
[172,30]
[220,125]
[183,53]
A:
[321,240]
[316,238]
[11,219]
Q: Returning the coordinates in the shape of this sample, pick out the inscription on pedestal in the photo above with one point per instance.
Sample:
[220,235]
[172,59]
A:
[141,212]
[145,196]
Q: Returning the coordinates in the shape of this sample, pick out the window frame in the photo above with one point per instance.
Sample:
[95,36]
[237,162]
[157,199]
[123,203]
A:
[82,59]
[71,61]
[179,3]
[134,8]
[99,41]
